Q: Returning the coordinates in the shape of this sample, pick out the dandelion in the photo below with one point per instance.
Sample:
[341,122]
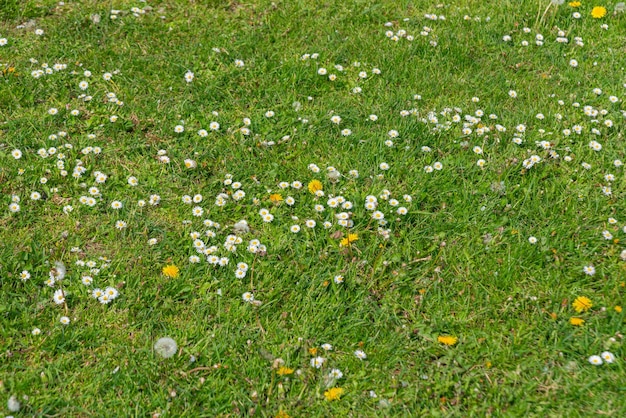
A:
[314,186]
[13,404]
[284,371]
[447,340]
[347,241]
[276,198]
[171,271]
[166,347]
[333,394]
[576,321]
[582,304]
[598,12]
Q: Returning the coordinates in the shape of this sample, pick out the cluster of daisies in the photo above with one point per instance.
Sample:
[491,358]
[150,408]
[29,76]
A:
[424,31]
[355,73]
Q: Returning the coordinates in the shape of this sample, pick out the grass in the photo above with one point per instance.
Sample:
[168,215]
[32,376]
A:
[459,263]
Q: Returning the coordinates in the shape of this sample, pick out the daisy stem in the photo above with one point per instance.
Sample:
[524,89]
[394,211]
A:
[252,273]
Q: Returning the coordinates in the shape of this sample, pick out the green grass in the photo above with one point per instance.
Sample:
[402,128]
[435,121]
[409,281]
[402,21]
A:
[459,262]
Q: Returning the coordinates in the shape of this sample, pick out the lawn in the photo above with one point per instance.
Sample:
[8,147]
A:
[312,209]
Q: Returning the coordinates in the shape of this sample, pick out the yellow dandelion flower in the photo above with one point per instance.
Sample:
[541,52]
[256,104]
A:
[283,371]
[276,198]
[313,351]
[576,321]
[282,414]
[171,271]
[598,12]
[447,339]
[333,394]
[582,304]
[618,309]
[574,4]
[347,241]
[315,185]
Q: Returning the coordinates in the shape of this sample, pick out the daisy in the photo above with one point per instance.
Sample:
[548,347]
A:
[360,354]
[248,297]
[607,357]
[595,360]
[59,297]
[589,270]
[317,362]
[111,292]
[64,320]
